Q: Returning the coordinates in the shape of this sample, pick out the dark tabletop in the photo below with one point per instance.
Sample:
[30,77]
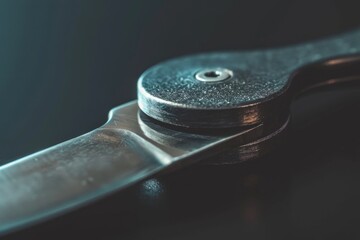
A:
[64,64]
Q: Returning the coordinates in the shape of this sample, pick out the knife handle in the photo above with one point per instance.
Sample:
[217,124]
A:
[242,88]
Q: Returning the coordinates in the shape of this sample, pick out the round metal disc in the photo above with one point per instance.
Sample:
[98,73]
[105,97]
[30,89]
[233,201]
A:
[237,88]
[211,91]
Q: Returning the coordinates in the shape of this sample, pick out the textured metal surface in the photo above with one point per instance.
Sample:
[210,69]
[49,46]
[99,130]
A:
[132,146]
[122,152]
[169,92]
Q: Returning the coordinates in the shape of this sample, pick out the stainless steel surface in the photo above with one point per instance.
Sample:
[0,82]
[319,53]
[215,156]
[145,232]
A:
[118,154]
[263,82]
[246,116]
[214,75]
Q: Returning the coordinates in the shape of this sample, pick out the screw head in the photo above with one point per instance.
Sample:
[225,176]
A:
[214,75]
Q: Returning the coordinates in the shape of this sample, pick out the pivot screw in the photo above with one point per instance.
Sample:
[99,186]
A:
[214,75]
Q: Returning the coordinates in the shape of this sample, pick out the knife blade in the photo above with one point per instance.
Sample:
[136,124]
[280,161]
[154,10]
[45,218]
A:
[95,164]
[189,109]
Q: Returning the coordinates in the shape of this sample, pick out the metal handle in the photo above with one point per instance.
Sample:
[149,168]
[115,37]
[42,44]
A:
[247,87]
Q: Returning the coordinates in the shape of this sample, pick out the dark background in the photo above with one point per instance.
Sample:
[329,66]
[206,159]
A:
[65,64]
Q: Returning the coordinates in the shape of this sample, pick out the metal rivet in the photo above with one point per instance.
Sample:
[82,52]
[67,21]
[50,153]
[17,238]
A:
[214,75]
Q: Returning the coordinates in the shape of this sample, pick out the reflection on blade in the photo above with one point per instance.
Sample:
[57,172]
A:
[74,172]
[107,159]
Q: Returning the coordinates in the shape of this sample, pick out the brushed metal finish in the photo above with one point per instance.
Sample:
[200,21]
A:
[253,106]
[112,157]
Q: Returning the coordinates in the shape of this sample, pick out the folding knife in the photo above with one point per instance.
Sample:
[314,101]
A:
[219,108]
